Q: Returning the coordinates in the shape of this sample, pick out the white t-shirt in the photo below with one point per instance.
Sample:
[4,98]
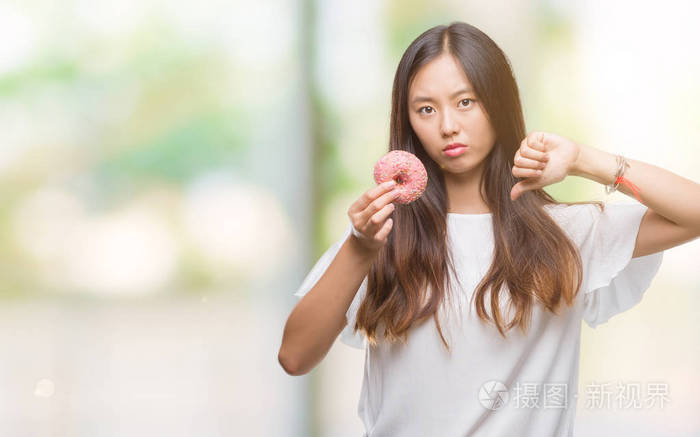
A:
[490,386]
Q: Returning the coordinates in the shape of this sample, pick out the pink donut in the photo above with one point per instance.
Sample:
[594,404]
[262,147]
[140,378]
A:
[408,172]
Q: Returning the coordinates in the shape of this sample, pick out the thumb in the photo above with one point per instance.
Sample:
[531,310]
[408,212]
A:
[522,187]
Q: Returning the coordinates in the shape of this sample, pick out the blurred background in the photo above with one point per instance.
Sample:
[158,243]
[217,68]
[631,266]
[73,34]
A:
[170,171]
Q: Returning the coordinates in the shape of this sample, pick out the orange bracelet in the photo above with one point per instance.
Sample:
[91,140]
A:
[619,179]
[633,188]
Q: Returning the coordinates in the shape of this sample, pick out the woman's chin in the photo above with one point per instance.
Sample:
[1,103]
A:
[457,169]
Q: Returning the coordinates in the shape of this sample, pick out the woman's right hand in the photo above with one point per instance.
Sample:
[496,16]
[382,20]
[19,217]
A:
[370,216]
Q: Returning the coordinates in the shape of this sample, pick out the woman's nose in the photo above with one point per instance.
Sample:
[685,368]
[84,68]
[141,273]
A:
[448,124]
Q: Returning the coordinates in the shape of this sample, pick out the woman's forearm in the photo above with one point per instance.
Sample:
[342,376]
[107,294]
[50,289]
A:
[668,194]
[319,317]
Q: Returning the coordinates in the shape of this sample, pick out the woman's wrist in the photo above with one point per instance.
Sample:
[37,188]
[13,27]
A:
[362,252]
[594,164]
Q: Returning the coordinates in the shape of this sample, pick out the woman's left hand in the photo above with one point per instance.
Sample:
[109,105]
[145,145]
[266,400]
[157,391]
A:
[550,154]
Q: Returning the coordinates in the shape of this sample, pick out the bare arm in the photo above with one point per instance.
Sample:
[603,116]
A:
[673,217]
[319,316]
[673,202]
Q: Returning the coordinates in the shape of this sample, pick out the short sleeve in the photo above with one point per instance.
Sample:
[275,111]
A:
[614,281]
[356,340]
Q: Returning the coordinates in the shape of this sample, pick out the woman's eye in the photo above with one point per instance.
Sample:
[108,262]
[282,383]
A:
[421,110]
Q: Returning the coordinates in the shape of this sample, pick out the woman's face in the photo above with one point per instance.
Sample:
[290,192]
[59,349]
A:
[444,110]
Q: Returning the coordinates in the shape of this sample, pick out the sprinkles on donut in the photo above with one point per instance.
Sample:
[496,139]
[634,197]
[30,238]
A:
[408,172]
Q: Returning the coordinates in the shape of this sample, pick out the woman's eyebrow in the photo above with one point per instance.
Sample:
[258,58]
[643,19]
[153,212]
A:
[418,99]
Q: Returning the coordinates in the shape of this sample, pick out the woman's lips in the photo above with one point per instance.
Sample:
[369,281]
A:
[455,151]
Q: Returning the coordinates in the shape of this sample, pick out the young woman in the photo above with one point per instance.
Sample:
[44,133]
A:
[432,290]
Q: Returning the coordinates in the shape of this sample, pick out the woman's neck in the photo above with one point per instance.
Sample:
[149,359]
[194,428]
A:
[463,193]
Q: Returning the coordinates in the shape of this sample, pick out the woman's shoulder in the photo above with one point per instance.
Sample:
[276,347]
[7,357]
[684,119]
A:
[576,219]
[571,210]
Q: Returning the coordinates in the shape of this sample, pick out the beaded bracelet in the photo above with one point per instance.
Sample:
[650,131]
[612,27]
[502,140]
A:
[622,166]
